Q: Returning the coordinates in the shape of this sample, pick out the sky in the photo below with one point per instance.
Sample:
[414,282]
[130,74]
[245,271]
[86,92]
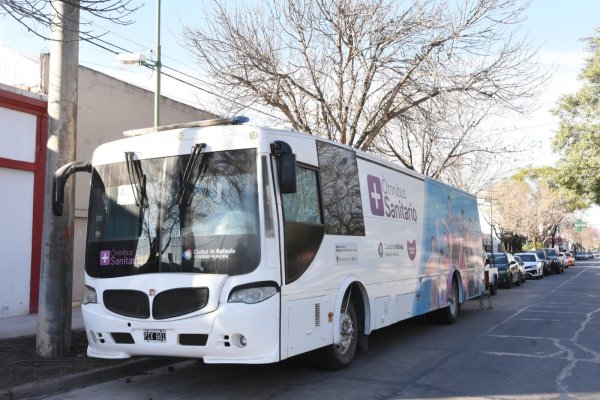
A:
[556,27]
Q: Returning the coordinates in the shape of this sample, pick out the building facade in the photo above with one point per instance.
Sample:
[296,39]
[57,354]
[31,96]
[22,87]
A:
[106,108]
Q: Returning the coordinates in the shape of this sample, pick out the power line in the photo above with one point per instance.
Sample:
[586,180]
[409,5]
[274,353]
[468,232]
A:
[93,40]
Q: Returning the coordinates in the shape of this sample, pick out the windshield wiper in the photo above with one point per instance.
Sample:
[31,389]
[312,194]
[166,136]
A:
[137,178]
[190,174]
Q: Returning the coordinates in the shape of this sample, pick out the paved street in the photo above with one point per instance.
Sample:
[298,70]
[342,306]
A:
[539,341]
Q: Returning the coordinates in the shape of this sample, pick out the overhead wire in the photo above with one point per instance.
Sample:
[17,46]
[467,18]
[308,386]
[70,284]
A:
[94,41]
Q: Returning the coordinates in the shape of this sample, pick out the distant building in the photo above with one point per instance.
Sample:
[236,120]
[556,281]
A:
[106,108]
[560,243]
[497,244]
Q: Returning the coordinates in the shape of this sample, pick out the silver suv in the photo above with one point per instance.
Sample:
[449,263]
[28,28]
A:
[534,267]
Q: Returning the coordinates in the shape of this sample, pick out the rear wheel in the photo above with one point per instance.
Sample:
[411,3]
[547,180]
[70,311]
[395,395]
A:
[449,315]
[338,356]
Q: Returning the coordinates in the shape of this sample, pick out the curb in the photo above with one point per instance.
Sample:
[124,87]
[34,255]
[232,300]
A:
[70,382]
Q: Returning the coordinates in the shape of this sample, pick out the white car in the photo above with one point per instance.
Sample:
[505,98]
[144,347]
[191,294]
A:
[492,272]
[534,267]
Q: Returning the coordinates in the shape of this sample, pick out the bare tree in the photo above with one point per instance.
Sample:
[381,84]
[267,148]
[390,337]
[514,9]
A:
[39,15]
[588,239]
[530,205]
[346,69]
[443,139]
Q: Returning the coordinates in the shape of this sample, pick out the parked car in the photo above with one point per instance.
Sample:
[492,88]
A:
[542,257]
[492,272]
[555,265]
[521,268]
[562,257]
[580,255]
[508,270]
[534,267]
[570,259]
[566,259]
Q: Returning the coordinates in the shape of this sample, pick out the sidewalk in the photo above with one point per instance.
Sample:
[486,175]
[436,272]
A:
[23,374]
[26,325]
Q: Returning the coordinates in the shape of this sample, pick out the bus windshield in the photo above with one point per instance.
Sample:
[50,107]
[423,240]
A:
[193,213]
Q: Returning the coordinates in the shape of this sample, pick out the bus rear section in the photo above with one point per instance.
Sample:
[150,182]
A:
[393,245]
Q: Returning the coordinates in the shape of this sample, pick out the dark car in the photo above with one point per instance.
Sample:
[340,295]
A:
[508,269]
[542,257]
[555,264]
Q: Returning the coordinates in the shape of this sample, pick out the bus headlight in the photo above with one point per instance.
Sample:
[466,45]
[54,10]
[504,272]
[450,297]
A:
[252,295]
[90,296]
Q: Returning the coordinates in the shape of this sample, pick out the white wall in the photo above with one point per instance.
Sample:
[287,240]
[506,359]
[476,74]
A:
[16,216]
[17,135]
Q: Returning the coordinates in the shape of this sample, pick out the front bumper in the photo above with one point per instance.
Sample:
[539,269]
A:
[503,277]
[233,333]
[534,272]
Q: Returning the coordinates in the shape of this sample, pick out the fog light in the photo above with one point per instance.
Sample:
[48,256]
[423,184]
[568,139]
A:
[243,341]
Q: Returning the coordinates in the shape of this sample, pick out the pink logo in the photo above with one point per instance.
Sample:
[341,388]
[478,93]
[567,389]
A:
[375,195]
[104,257]
[151,292]
[412,249]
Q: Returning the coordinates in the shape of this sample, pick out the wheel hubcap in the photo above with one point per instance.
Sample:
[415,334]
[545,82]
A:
[347,332]
[452,301]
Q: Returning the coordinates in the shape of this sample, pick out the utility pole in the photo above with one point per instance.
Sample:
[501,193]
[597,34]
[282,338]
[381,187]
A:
[158,68]
[56,280]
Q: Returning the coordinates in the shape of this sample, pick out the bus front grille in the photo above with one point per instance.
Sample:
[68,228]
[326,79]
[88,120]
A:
[129,303]
[176,302]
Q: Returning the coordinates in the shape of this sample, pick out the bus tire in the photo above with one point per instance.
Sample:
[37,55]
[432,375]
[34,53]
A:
[449,314]
[339,356]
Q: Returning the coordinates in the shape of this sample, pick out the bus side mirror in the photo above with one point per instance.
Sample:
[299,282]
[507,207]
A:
[286,166]
[61,176]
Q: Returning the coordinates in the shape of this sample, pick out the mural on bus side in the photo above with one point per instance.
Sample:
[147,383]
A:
[451,240]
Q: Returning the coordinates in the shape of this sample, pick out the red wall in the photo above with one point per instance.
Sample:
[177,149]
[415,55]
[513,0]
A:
[38,108]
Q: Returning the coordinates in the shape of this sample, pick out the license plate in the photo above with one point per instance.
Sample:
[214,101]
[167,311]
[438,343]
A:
[155,335]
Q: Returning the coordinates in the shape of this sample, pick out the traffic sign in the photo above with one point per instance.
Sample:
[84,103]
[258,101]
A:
[580,225]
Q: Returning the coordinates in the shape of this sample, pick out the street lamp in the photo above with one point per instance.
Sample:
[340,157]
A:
[140,59]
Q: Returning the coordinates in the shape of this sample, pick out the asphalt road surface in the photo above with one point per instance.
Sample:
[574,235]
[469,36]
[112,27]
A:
[539,341]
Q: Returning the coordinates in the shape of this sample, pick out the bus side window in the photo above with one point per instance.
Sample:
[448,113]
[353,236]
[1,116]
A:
[304,228]
[340,190]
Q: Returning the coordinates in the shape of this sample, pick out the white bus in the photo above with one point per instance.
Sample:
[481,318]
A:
[239,244]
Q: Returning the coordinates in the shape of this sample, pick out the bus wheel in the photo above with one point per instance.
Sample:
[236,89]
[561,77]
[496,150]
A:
[449,315]
[338,356]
